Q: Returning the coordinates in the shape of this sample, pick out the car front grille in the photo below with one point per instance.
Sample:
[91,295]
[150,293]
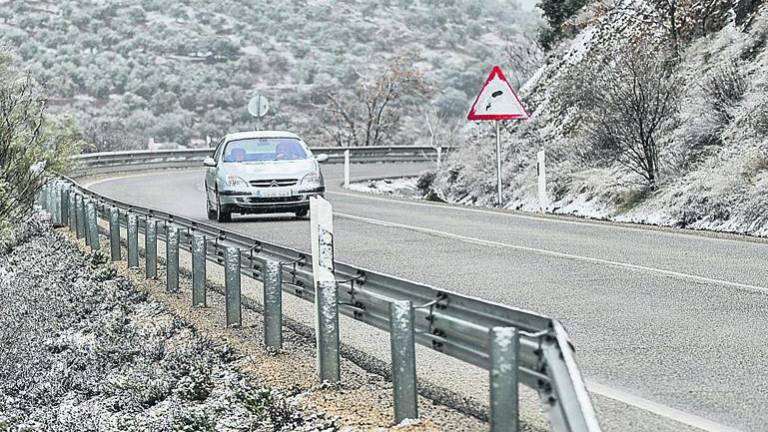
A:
[275,200]
[273,183]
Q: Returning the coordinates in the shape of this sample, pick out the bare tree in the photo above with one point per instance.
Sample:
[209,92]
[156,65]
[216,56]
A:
[443,132]
[672,19]
[372,113]
[630,101]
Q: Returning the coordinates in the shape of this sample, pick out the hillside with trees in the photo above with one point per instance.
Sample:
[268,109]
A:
[340,73]
[651,111]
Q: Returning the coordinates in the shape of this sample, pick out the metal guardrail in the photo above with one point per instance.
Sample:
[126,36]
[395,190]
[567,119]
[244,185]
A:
[512,344]
[101,163]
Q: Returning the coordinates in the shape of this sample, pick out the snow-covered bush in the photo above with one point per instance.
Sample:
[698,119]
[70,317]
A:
[631,102]
[725,87]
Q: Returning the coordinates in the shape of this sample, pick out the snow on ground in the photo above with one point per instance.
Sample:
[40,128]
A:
[82,349]
[403,187]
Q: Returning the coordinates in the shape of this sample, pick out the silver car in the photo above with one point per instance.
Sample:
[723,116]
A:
[261,172]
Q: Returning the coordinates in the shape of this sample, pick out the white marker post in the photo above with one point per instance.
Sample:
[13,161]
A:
[346,168]
[542,172]
[497,101]
[439,157]
[326,290]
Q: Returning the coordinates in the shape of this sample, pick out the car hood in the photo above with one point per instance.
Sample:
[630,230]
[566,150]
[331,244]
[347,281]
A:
[270,170]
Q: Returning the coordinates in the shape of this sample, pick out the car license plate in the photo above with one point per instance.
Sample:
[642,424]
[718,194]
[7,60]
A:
[273,193]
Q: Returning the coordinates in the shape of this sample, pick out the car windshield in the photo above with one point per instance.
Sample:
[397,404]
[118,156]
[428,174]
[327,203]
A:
[264,150]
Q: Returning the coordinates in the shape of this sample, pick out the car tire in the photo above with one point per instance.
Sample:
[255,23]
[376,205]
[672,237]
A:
[221,214]
[302,214]
[211,211]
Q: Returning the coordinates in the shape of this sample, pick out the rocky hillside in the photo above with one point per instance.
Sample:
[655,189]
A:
[180,71]
[710,152]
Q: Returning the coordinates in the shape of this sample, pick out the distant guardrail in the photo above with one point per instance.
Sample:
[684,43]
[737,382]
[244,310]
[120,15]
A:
[102,163]
[514,345]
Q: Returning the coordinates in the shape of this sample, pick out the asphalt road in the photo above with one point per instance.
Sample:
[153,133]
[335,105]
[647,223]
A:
[669,326]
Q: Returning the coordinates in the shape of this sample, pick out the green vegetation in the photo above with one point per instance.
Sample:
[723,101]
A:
[557,13]
[31,144]
[180,71]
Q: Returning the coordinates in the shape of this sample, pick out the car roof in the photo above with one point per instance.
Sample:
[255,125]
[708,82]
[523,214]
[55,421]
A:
[260,134]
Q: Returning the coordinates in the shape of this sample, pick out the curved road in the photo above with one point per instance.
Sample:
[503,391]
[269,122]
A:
[669,326]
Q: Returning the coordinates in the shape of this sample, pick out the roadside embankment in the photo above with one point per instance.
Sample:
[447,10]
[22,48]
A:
[83,349]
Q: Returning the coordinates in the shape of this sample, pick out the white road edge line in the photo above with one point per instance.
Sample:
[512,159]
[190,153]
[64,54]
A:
[658,409]
[483,242]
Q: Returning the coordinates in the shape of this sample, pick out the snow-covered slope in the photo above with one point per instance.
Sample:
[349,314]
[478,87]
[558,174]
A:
[714,173]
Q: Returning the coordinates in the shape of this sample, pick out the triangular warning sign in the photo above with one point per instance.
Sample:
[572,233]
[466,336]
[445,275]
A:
[497,100]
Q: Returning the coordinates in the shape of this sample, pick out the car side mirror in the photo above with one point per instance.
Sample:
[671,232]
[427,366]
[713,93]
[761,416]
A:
[209,162]
[321,157]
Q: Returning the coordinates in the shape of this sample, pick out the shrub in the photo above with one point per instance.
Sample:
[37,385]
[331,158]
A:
[31,145]
[630,100]
[725,86]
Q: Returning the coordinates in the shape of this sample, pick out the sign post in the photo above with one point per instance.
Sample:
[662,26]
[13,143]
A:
[258,108]
[499,188]
[497,101]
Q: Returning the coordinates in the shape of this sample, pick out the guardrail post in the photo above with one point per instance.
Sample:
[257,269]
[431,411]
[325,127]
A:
[232,286]
[40,198]
[52,200]
[198,271]
[64,200]
[133,241]
[172,258]
[273,304]
[403,360]
[80,210]
[72,212]
[44,197]
[505,359]
[114,234]
[56,190]
[86,226]
[327,298]
[93,226]
[150,248]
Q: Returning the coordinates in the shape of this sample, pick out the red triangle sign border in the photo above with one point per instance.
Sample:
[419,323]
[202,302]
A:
[473,116]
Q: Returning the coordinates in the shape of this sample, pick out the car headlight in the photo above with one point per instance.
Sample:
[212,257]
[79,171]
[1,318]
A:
[311,181]
[235,182]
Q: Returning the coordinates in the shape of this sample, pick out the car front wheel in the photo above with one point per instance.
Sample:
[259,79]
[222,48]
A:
[222,215]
